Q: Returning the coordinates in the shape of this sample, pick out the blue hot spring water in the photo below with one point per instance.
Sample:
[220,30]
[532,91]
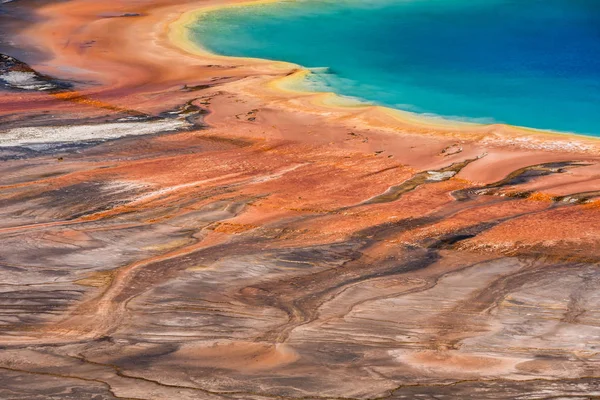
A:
[533,63]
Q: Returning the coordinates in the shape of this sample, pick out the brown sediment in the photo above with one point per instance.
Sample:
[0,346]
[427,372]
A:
[257,243]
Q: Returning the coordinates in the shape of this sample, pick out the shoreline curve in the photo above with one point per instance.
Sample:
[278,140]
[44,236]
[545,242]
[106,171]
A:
[179,35]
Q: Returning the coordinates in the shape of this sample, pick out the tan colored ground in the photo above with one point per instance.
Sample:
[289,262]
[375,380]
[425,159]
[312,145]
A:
[276,247]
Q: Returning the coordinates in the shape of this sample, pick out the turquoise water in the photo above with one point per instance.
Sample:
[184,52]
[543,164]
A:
[533,63]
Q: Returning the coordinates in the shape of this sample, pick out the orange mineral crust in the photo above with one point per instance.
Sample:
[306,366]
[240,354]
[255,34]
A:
[175,225]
